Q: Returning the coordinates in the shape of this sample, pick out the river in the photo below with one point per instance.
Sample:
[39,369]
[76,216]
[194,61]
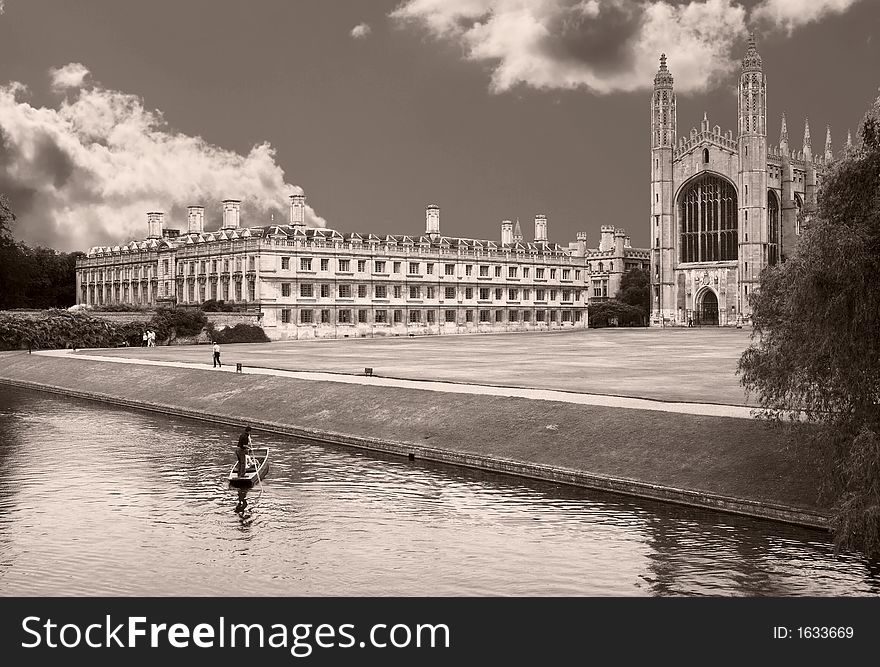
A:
[99,500]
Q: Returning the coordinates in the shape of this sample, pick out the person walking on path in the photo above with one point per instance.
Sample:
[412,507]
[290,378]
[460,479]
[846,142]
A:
[216,349]
[145,338]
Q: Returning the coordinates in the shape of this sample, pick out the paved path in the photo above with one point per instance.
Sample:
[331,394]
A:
[704,409]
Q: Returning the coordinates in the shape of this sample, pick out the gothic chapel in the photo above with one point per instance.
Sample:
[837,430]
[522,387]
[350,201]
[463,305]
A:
[723,207]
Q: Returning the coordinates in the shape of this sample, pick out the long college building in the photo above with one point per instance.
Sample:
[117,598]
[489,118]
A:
[310,282]
[722,207]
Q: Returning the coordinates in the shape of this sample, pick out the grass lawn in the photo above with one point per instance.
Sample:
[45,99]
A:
[691,365]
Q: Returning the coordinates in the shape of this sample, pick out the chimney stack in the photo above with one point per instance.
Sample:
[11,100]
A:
[195,219]
[606,238]
[432,220]
[540,228]
[581,244]
[298,210]
[231,213]
[506,232]
[155,223]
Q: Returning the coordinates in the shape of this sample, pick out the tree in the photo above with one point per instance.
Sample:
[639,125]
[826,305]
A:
[635,290]
[815,350]
[614,313]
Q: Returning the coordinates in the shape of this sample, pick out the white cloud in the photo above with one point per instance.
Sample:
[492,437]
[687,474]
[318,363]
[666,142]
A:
[361,31]
[792,14]
[605,45]
[85,173]
[72,75]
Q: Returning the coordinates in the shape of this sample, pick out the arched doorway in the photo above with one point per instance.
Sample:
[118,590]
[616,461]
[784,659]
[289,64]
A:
[707,308]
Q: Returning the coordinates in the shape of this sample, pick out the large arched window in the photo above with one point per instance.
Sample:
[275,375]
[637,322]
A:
[773,235]
[707,213]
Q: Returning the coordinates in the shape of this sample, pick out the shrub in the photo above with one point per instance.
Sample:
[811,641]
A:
[59,329]
[173,322]
[214,306]
[240,333]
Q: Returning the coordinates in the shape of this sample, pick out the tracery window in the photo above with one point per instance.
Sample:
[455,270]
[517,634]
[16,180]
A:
[708,220]
[773,235]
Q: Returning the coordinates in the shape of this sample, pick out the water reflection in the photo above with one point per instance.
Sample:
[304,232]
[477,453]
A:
[116,502]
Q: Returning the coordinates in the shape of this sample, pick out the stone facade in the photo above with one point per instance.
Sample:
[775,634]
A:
[723,207]
[320,283]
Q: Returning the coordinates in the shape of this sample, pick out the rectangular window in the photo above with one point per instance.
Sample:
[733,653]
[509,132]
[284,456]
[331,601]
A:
[539,315]
[381,317]
[429,268]
[539,294]
[566,295]
[325,317]
[306,290]
[414,293]
[165,266]
[430,293]
[345,265]
[238,291]
[449,269]
[345,316]
[511,272]
[525,272]
[306,316]
[553,295]
[552,315]
[381,292]
[484,271]
[497,271]
[449,293]
[415,316]
[468,316]
[484,294]
[499,294]
[325,265]
[398,316]
[362,316]
[552,274]
[512,294]
[285,263]
[468,292]
[539,274]
[577,274]
[396,267]
[362,265]
[527,294]
[431,315]
[484,316]
[285,289]
[325,291]
[345,292]
[398,292]
[566,274]
[597,288]
[526,316]
[379,267]
[285,315]
[305,264]
[362,291]
[449,315]
[413,268]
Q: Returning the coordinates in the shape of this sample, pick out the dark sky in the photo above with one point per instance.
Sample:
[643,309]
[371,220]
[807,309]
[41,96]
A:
[375,128]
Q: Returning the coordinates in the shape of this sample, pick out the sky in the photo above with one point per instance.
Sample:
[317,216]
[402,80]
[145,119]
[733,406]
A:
[491,109]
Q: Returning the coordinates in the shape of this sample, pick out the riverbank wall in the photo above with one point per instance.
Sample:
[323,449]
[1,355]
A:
[730,464]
